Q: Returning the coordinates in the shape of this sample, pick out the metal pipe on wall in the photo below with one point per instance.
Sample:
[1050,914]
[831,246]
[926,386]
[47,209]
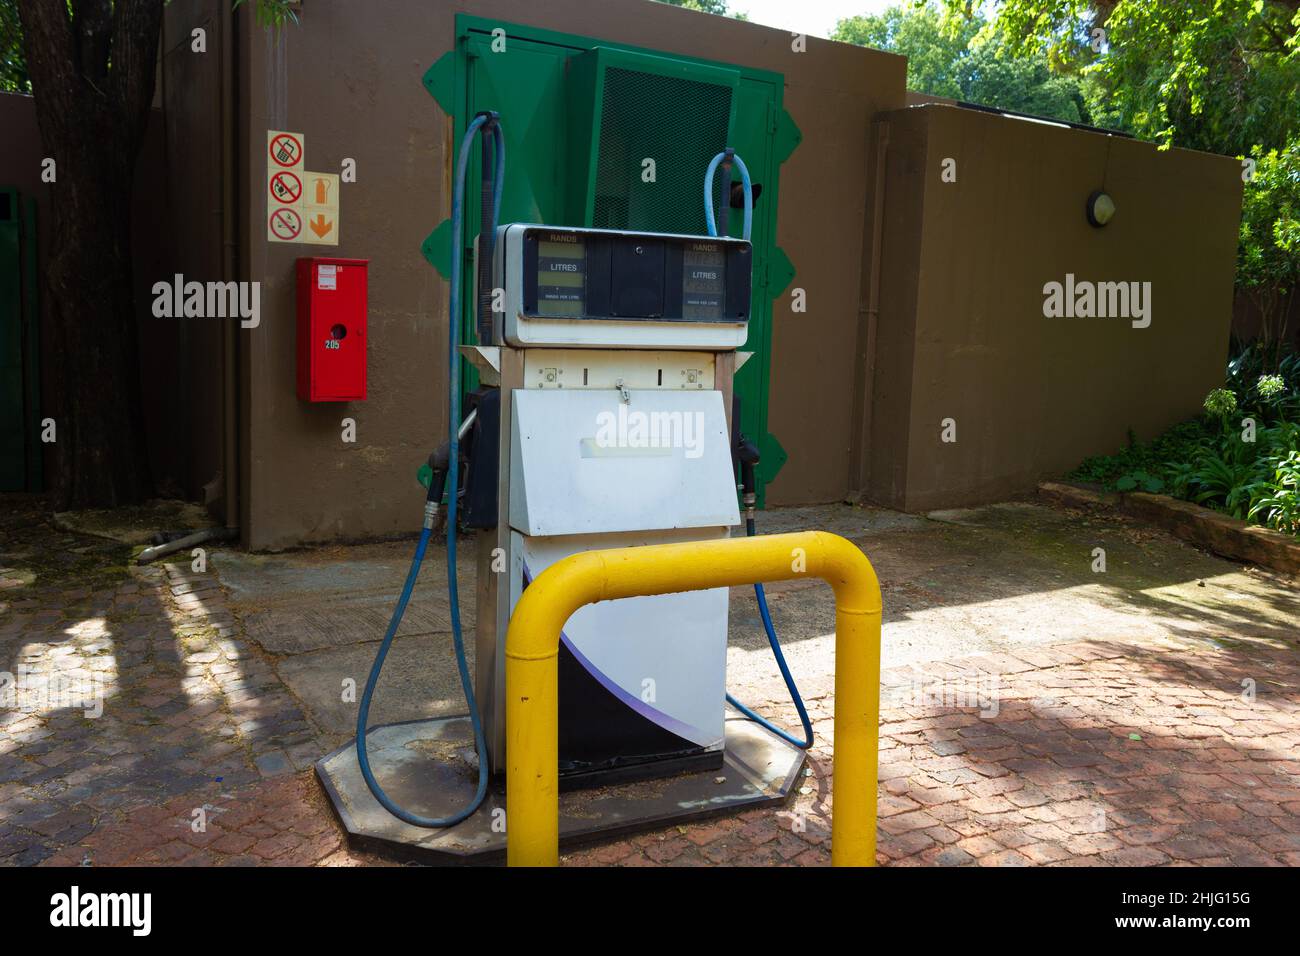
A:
[230,272]
[860,441]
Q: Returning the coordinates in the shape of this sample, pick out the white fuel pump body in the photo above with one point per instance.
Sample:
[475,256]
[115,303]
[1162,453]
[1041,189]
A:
[615,365]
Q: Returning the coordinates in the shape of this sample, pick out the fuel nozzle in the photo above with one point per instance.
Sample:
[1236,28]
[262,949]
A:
[745,455]
[439,463]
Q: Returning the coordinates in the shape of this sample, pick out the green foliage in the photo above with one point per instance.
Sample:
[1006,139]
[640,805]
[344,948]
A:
[1280,507]
[1217,75]
[1268,248]
[1180,442]
[13,64]
[1221,402]
[716,7]
[1135,480]
[1224,478]
[1266,384]
[950,56]
[1027,86]
[273,13]
[1213,461]
[937,48]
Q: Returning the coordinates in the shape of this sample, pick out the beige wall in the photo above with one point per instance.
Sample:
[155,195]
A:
[961,328]
[351,84]
[856,395]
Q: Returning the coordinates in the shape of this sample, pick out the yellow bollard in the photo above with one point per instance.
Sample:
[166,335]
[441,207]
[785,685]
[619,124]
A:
[533,647]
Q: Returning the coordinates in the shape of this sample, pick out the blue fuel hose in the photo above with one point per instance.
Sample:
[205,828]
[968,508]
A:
[725,158]
[486,237]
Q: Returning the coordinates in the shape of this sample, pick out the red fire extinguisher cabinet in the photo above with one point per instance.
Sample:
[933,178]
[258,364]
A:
[332,329]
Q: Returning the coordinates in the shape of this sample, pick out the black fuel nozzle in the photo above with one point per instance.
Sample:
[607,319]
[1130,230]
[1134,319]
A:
[439,464]
[745,456]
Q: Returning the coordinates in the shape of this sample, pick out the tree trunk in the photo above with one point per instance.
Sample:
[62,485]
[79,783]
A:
[92,71]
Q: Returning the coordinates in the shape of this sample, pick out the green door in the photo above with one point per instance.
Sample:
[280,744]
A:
[579,115]
[19,423]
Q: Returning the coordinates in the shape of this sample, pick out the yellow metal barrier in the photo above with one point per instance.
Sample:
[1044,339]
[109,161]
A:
[532,653]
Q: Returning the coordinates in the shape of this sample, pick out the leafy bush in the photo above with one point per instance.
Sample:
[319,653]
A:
[1150,458]
[1242,457]
[1268,250]
[1280,507]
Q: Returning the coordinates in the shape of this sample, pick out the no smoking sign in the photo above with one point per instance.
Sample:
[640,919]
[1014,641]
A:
[284,225]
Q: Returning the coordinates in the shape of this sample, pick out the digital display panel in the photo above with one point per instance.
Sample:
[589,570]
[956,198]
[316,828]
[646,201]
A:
[704,281]
[561,275]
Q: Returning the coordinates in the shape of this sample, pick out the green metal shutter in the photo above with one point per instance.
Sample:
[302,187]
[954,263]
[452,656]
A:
[581,116]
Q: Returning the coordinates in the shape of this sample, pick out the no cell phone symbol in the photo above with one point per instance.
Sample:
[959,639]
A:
[286,187]
[286,224]
[286,150]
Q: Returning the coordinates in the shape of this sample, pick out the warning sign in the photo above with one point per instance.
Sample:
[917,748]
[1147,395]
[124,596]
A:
[286,187]
[320,208]
[285,148]
[301,206]
[285,225]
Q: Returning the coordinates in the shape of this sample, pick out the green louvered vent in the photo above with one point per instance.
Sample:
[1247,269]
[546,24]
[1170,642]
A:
[679,123]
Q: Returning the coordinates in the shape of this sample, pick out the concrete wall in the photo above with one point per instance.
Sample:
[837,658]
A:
[351,84]
[961,328]
[191,89]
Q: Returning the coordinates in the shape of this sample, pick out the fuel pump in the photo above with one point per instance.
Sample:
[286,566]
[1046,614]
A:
[606,371]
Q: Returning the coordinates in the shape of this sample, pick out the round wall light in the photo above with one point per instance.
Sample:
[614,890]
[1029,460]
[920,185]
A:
[1100,208]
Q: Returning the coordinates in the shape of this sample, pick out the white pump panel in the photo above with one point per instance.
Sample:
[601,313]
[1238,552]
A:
[586,462]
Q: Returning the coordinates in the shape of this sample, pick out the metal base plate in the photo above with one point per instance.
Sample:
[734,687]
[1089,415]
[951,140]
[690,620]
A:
[429,767]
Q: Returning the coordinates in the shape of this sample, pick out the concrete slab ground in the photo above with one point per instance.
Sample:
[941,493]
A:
[1014,664]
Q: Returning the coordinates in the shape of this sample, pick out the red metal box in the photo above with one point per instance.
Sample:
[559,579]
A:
[332,329]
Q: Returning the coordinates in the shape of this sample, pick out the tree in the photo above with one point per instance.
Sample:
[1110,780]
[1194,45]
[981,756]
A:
[1024,85]
[92,65]
[717,7]
[954,56]
[1268,253]
[13,65]
[1217,75]
[937,51]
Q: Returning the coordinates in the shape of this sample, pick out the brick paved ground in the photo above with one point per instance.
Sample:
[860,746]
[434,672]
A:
[192,719]
[1077,754]
[1086,754]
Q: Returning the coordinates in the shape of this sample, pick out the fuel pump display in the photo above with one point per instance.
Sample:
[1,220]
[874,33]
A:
[704,281]
[644,289]
[561,276]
